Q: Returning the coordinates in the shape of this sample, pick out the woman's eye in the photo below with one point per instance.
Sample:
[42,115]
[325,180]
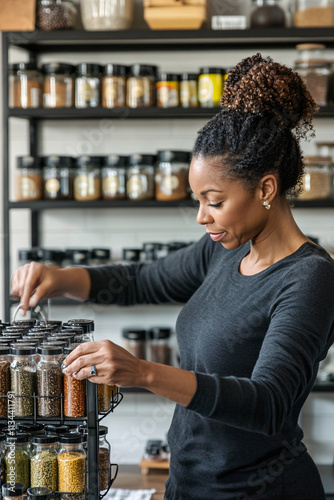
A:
[215,205]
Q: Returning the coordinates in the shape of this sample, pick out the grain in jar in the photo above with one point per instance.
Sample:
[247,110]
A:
[88,86]
[74,393]
[188,90]
[317,181]
[135,341]
[87,178]
[28,179]
[113,177]
[114,86]
[26,83]
[210,86]
[71,465]
[140,177]
[141,88]
[167,90]
[43,462]
[56,15]
[171,180]
[314,70]
[17,458]
[4,378]
[58,177]
[58,88]
[49,381]
[23,380]
[104,459]
[105,397]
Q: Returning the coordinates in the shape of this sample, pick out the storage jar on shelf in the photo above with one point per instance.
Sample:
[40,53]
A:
[26,84]
[188,90]
[317,179]
[104,15]
[135,341]
[160,351]
[314,70]
[58,88]
[210,86]
[113,177]
[140,177]
[58,177]
[141,89]
[87,178]
[268,14]
[43,462]
[171,180]
[314,13]
[28,179]
[87,86]
[114,86]
[167,90]
[56,15]
[71,466]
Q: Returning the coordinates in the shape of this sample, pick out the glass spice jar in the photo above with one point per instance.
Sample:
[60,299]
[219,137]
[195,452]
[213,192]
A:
[105,396]
[17,459]
[12,491]
[87,86]
[140,177]
[314,70]
[49,382]
[131,255]
[210,86]
[104,459]
[167,90]
[26,256]
[314,13]
[4,378]
[114,86]
[71,465]
[135,342]
[171,180]
[58,88]
[23,380]
[29,179]
[40,493]
[25,86]
[160,351]
[268,14]
[58,177]
[100,256]
[43,462]
[74,394]
[87,178]
[317,181]
[88,325]
[56,15]
[141,91]
[188,90]
[113,177]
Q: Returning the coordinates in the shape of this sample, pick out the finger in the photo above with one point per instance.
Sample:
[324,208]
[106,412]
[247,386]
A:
[17,280]
[84,361]
[85,373]
[85,349]
[28,286]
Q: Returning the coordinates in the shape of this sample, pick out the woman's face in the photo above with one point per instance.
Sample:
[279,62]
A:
[232,214]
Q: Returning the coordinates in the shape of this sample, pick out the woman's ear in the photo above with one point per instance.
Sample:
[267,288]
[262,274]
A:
[268,188]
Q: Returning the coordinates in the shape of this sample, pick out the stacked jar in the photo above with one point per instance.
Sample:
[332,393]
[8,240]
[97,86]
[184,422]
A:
[29,179]
[4,378]
[17,459]
[74,393]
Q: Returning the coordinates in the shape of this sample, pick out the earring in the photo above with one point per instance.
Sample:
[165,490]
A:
[266,205]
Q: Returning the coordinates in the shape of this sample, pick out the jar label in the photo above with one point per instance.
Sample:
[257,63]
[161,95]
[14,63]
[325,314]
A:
[28,188]
[84,185]
[111,186]
[52,186]
[168,94]
[169,184]
[210,89]
[136,185]
[188,93]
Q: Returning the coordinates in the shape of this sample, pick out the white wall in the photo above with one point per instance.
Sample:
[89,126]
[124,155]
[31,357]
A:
[145,416]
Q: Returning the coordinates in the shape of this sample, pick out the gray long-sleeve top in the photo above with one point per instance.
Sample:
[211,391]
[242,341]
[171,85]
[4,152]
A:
[254,344]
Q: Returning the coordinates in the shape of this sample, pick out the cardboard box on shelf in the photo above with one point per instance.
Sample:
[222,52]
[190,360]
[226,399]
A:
[17,15]
[175,14]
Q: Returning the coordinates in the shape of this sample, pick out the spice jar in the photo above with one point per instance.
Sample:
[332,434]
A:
[71,465]
[87,86]
[314,70]
[43,462]
[107,14]
[160,251]
[87,325]
[160,351]
[56,15]
[268,14]
[210,86]
[314,13]
[29,179]
[12,491]
[58,177]
[317,179]
[131,255]
[113,177]
[49,382]
[23,380]
[325,149]
[100,256]
[135,342]
[104,459]
[25,86]
[4,378]
[171,180]
[140,177]
[87,178]
[17,459]
[74,394]
[26,256]
[105,395]
[141,91]
[58,89]
[39,493]
[168,90]
[114,86]
[188,90]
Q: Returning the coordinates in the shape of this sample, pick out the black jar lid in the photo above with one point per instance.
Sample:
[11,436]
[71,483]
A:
[88,325]
[28,162]
[4,350]
[189,77]
[55,256]
[131,254]
[31,428]
[145,159]
[63,335]
[133,334]
[23,66]
[49,351]
[19,437]
[31,254]
[52,322]
[85,160]
[58,68]
[71,438]
[54,343]
[100,253]
[157,333]
[23,351]
[44,439]
[84,69]
[57,428]
[71,347]
[212,71]
[170,156]
[168,77]
[5,341]
[103,430]
[42,329]
[57,161]
[72,330]
[143,70]
[115,70]
[113,160]
[23,322]
[39,493]
[10,490]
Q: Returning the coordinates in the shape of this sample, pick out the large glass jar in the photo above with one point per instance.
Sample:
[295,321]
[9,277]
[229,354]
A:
[43,462]
[58,89]
[87,86]
[58,177]
[87,178]
[268,14]
[141,91]
[114,86]
[71,465]
[140,177]
[160,351]
[135,341]
[4,378]
[25,86]
[171,180]
[317,178]
[23,380]
[56,15]
[313,13]
[17,459]
[188,90]
[106,15]
[104,459]
[49,382]
[210,86]
[314,70]
[113,177]
[74,394]
[28,179]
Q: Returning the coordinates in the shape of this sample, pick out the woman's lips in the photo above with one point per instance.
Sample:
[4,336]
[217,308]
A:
[217,236]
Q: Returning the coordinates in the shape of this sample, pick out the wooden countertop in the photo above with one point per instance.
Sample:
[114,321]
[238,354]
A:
[129,477]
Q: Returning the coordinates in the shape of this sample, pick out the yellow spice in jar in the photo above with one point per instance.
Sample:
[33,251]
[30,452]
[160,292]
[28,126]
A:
[71,472]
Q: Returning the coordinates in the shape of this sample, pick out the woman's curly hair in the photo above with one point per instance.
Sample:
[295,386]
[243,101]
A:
[267,109]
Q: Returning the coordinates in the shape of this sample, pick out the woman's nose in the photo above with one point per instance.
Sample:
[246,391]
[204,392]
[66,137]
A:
[203,216]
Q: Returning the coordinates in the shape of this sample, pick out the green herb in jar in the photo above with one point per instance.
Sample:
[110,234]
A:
[44,470]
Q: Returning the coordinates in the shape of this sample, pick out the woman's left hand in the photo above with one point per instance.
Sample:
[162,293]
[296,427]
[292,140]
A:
[114,365]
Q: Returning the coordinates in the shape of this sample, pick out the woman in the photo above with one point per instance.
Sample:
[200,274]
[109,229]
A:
[259,296]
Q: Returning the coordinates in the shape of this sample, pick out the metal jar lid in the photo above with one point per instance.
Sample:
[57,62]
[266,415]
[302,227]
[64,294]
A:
[58,68]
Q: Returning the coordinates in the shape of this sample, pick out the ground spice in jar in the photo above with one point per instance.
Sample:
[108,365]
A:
[43,462]
[4,379]
[58,89]
[49,381]
[114,86]
[26,86]
[87,178]
[317,180]
[160,351]
[28,179]
[141,90]
[104,468]
[171,180]
[23,380]
[71,464]
[105,395]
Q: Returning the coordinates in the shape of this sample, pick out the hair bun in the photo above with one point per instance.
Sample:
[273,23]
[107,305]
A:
[260,85]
